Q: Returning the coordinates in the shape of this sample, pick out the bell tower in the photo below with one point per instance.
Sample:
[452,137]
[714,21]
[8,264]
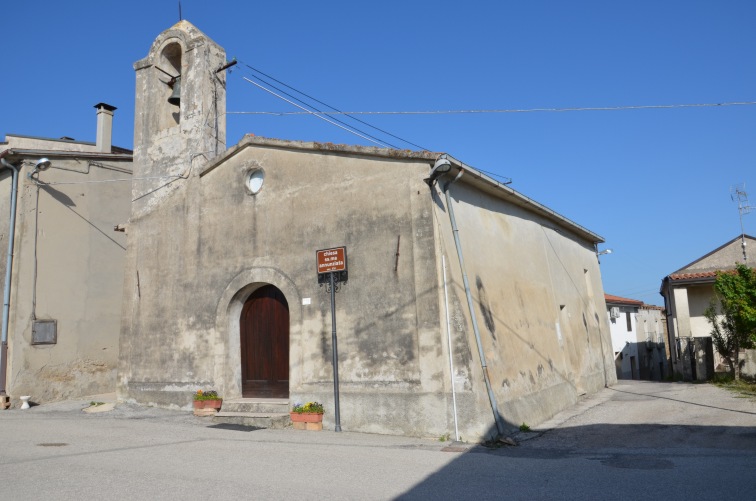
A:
[180,110]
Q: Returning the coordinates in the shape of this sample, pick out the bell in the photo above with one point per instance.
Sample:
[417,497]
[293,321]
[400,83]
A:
[175,98]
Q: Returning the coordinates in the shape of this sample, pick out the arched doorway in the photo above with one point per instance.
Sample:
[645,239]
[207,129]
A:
[264,337]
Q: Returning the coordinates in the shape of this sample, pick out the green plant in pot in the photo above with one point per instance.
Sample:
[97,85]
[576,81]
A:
[207,400]
[310,412]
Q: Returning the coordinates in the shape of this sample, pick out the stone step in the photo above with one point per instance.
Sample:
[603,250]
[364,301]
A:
[274,420]
[255,412]
[257,405]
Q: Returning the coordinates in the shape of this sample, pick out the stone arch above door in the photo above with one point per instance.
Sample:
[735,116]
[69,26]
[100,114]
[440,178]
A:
[230,304]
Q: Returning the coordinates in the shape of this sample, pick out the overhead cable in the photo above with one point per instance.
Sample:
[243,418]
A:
[335,111]
[513,110]
[318,114]
[308,105]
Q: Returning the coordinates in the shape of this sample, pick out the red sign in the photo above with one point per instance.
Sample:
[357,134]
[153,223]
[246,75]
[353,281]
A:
[332,260]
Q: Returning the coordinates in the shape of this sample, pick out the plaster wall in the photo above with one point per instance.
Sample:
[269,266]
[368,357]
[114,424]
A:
[682,320]
[652,358]
[724,258]
[618,327]
[699,297]
[539,304]
[79,273]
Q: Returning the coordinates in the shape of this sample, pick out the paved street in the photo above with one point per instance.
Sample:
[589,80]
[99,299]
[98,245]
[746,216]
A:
[637,440]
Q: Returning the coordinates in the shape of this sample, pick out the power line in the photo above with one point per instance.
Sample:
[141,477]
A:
[308,105]
[335,110]
[513,110]
[315,114]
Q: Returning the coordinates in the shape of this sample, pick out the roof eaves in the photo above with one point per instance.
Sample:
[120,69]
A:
[476,178]
[504,191]
[70,154]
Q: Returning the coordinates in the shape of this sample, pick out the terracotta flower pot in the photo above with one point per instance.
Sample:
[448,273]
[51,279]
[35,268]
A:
[307,421]
[208,404]
[306,417]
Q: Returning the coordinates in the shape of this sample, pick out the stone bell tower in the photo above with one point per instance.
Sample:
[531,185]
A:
[180,111]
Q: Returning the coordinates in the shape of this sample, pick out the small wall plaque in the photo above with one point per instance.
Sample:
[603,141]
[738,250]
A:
[45,332]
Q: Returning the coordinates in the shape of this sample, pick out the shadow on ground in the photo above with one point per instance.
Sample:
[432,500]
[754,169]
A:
[604,461]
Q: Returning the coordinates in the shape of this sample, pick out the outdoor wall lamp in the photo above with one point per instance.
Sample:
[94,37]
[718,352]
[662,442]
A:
[605,251]
[442,166]
[42,165]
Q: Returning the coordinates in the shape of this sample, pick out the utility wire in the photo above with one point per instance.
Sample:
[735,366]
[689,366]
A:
[308,105]
[315,114]
[335,110]
[514,110]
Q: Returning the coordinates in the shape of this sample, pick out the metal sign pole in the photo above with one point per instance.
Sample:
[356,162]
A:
[335,358]
[329,263]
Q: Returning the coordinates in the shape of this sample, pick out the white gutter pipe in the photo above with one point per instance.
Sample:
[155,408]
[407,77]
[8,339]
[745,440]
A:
[468,294]
[451,361]
[8,270]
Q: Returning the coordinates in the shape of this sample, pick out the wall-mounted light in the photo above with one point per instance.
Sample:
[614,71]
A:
[42,165]
[605,251]
[442,166]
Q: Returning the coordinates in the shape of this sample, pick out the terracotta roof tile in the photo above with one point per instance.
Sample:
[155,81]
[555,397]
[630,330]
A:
[622,300]
[690,276]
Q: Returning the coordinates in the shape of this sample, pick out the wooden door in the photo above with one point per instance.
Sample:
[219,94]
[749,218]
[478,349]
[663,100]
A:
[264,328]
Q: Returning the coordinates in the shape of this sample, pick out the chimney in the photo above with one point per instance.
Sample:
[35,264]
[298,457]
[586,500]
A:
[104,127]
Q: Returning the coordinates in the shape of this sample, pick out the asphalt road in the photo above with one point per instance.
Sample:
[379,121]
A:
[636,440]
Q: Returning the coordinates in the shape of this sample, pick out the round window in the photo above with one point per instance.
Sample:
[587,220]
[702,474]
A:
[255,181]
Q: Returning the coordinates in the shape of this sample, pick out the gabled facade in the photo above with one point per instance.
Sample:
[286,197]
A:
[468,305]
[62,262]
[687,293]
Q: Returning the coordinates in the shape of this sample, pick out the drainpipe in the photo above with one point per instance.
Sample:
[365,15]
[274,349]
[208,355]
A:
[484,366]
[8,269]
[451,357]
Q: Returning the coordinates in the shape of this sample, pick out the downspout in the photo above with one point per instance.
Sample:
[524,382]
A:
[451,357]
[468,294]
[8,270]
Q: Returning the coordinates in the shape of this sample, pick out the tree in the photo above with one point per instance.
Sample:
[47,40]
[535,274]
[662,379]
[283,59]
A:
[734,322]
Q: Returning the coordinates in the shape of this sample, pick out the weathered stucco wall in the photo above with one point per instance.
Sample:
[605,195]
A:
[539,300]
[652,350]
[169,139]
[723,258]
[79,276]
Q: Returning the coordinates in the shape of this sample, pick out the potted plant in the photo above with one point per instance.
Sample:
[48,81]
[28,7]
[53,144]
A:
[206,402]
[307,416]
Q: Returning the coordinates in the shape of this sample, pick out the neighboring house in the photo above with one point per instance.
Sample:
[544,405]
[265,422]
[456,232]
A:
[637,338]
[462,293]
[63,288]
[622,324]
[687,293]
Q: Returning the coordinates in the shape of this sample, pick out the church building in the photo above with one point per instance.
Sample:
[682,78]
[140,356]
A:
[465,305]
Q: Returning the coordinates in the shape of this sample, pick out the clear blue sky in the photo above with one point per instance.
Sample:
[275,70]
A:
[655,183]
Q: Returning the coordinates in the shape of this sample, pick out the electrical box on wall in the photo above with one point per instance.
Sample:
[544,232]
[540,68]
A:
[45,332]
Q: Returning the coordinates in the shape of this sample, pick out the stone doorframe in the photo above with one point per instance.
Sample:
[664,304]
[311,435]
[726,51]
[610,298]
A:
[227,372]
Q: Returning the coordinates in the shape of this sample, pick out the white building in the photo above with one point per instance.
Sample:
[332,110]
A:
[637,331]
